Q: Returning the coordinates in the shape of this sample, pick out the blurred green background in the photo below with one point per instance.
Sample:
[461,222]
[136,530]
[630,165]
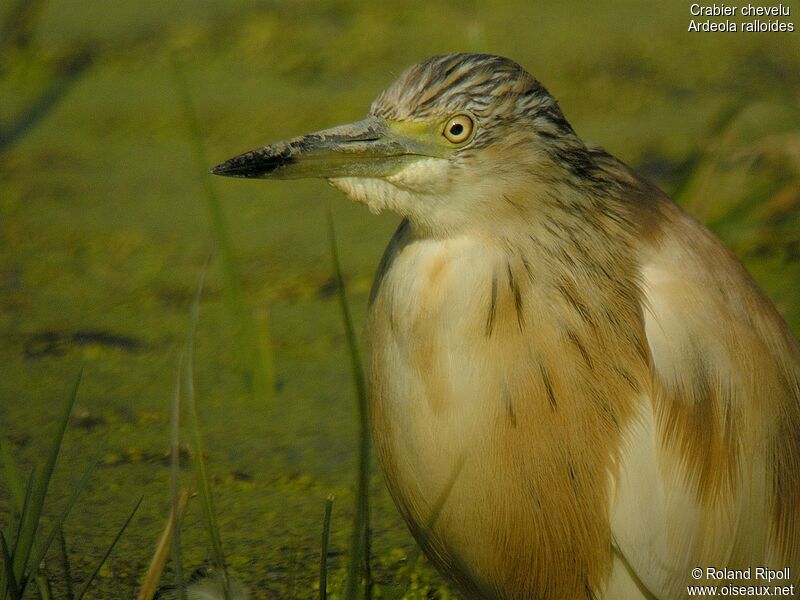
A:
[105,230]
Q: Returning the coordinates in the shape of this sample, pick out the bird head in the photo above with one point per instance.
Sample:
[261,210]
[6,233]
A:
[442,145]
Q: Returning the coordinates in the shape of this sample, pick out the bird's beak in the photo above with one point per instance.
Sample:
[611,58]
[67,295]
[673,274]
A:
[369,148]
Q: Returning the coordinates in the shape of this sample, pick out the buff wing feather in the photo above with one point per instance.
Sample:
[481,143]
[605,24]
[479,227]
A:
[710,474]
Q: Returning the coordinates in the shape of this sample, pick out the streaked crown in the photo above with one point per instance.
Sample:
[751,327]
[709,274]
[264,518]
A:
[492,88]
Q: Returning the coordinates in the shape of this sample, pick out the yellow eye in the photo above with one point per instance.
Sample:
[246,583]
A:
[458,129]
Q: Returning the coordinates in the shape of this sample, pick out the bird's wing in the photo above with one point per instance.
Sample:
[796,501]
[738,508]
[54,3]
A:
[710,469]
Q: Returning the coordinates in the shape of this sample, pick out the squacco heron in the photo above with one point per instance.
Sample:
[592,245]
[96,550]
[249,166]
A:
[593,383]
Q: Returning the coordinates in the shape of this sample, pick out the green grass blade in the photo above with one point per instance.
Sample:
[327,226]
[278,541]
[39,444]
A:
[40,107]
[174,483]
[41,550]
[30,524]
[13,479]
[359,568]
[255,340]
[194,319]
[206,498]
[19,494]
[26,507]
[43,586]
[201,469]
[108,552]
[323,551]
[10,588]
[66,570]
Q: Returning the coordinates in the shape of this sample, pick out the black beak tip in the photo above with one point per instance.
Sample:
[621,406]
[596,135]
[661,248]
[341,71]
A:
[255,164]
[222,168]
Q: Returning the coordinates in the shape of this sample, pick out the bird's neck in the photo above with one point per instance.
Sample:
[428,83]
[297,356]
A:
[560,222]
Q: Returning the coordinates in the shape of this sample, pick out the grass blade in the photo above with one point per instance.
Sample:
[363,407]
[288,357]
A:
[99,566]
[13,479]
[174,463]
[201,470]
[43,586]
[19,500]
[11,587]
[30,522]
[359,568]
[57,88]
[26,506]
[41,550]
[206,498]
[153,576]
[323,552]
[255,340]
[65,566]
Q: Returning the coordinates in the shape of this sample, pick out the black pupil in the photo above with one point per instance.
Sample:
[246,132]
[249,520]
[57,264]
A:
[456,129]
